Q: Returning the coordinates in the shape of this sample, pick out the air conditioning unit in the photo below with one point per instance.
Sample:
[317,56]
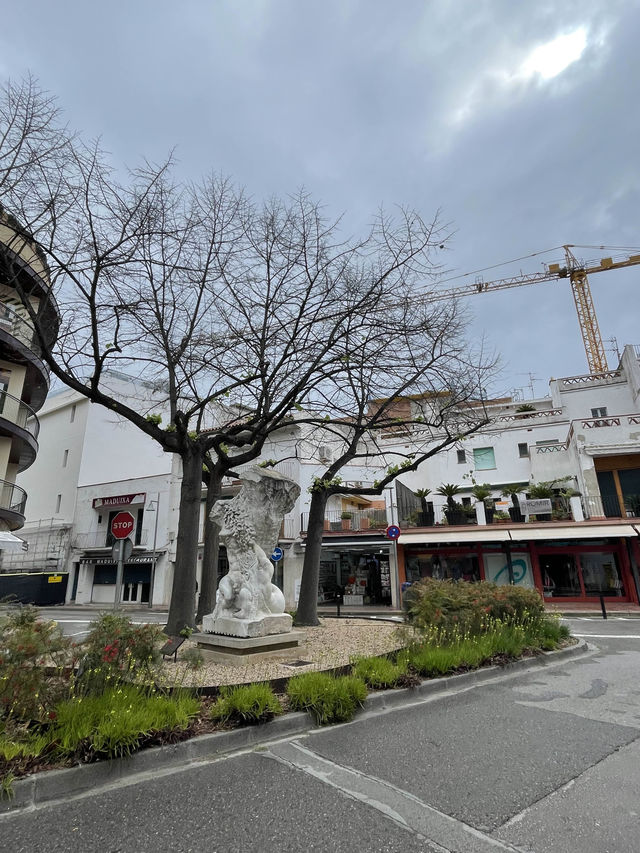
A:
[324,453]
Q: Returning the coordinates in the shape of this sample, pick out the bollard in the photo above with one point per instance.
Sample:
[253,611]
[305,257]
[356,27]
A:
[602,607]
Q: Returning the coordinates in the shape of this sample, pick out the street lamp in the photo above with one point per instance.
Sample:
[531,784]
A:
[154,506]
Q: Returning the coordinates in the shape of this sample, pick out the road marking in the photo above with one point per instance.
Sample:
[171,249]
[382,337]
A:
[443,832]
[611,636]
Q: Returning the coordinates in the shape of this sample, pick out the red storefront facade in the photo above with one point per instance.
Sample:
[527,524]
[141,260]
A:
[576,563]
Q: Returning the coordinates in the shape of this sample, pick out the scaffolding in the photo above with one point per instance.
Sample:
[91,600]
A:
[49,543]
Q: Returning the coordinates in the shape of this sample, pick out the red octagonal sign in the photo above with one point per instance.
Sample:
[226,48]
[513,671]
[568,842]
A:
[122,525]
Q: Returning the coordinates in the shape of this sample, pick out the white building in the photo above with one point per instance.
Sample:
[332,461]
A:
[587,429]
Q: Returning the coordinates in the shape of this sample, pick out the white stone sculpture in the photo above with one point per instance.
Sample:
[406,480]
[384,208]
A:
[247,603]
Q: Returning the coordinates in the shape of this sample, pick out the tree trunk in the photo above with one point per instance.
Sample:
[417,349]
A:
[208,583]
[183,593]
[307,612]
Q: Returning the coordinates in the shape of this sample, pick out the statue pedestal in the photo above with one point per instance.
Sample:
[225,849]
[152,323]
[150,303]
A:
[274,623]
[241,651]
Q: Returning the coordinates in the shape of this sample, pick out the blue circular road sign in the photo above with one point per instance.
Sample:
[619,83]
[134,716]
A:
[393,531]
[278,554]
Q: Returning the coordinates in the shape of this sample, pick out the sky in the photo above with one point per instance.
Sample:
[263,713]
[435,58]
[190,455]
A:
[517,120]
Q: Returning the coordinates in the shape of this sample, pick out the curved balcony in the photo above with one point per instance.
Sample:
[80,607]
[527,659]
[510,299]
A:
[18,338]
[21,424]
[13,500]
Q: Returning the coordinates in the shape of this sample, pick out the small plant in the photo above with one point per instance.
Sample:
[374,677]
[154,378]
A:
[6,786]
[482,491]
[449,491]
[247,704]
[29,650]
[327,698]
[193,658]
[346,515]
[186,632]
[378,673]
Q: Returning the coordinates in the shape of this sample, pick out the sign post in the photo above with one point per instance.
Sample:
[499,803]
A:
[121,526]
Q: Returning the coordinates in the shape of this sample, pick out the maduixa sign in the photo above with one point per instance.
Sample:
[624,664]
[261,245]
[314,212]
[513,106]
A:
[120,500]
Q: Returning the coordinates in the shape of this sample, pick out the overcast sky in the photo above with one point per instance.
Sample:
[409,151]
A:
[518,119]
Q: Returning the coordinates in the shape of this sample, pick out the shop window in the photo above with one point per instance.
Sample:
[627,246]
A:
[601,575]
[560,575]
[523,449]
[462,457]
[484,458]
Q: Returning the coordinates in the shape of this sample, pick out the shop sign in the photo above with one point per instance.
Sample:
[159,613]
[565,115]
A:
[541,506]
[120,500]
[109,561]
[54,579]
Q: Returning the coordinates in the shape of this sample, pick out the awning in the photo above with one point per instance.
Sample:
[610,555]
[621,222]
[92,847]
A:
[495,534]
[335,543]
[9,542]
[574,531]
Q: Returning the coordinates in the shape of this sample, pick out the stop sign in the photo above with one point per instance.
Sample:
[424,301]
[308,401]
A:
[122,525]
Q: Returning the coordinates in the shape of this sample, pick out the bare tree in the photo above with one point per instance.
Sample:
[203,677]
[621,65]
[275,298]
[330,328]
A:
[211,298]
[412,388]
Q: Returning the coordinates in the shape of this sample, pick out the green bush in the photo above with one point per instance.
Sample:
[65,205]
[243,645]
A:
[116,651]
[327,698]
[452,609]
[115,722]
[248,704]
[35,665]
[378,673]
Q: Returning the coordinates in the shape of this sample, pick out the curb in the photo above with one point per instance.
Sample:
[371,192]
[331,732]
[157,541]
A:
[50,786]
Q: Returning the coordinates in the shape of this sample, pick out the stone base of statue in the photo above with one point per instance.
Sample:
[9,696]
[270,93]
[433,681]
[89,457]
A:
[243,651]
[274,623]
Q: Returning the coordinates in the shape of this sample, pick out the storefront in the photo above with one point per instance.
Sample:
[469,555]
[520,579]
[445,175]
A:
[100,573]
[364,572]
[575,563]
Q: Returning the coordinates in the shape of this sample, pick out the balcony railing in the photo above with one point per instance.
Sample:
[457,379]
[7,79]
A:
[12,497]
[370,520]
[19,413]
[608,506]
[104,539]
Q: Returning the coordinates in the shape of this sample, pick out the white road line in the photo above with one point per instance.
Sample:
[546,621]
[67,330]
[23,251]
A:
[610,636]
[440,830]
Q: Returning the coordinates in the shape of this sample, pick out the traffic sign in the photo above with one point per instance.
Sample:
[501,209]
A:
[127,548]
[122,525]
[277,554]
[393,531]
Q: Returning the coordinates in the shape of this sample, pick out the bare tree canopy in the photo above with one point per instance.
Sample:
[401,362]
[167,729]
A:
[237,315]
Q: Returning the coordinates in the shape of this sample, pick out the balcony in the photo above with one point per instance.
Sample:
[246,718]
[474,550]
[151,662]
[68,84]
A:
[18,337]
[103,539]
[20,423]
[13,500]
[608,506]
[361,521]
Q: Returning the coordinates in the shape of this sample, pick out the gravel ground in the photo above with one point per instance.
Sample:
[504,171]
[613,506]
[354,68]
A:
[330,645]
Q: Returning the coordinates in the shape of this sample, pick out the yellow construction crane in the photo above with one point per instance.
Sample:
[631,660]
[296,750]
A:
[576,271]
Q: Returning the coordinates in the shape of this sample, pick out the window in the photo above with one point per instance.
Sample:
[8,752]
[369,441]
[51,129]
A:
[523,449]
[599,413]
[65,458]
[484,458]
[73,413]
[462,457]
[58,503]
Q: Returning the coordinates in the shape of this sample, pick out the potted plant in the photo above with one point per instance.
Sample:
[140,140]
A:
[482,493]
[426,507]
[346,520]
[524,410]
[512,491]
[500,517]
[454,513]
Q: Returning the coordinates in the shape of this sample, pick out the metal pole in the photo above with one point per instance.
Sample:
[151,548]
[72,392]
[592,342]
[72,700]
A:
[119,575]
[153,554]
[507,548]
[602,607]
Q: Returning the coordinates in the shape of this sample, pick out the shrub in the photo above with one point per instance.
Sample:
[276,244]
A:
[118,651]
[35,662]
[452,609]
[379,673]
[193,658]
[247,704]
[327,698]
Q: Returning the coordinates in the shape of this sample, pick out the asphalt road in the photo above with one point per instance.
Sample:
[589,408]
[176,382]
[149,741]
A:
[76,621]
[545,761]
